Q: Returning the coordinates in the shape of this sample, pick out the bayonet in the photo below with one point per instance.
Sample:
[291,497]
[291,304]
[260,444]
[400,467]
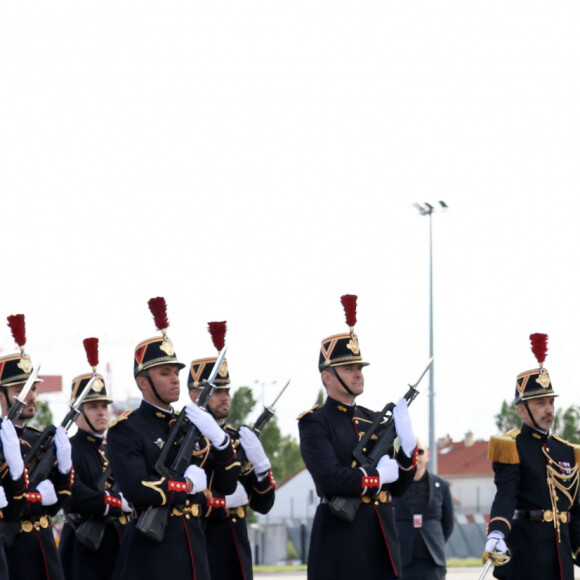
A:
[267,413]
[206,394]
[20,402]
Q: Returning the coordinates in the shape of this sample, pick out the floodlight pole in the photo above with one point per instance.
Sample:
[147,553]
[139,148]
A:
[428,209]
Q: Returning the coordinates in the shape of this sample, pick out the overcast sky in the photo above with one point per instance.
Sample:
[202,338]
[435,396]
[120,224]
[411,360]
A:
[252,161]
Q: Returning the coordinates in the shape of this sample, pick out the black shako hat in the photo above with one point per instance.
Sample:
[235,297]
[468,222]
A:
[98,390]
[200,369]
[535,383]
[16,368]
[342,349]
[159,349]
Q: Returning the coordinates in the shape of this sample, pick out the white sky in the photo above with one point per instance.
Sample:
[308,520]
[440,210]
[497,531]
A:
[251,161]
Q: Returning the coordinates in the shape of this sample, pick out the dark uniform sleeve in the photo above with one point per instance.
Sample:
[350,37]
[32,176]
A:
[138,485]
[260,492]
[223,469]
[16,492]
[575,513]
[505,463]
[62,482]
[87,499]
[331,478]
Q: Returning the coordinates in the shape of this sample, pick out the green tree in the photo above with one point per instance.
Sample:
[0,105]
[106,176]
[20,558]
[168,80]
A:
[282,450]
[243,402]
[508,417]
[43,416]
[567,424]
[321,397]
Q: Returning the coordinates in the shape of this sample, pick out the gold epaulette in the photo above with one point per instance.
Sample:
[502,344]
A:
[307,412]
[502,448]
[574,446]
[576,453]
[120,418]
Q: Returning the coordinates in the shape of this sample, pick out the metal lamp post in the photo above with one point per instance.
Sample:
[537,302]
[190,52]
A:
[428,209]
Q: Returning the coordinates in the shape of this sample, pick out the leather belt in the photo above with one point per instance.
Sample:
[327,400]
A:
[542,516]
[187,511]
[239,512]
[42,522]
[382,497]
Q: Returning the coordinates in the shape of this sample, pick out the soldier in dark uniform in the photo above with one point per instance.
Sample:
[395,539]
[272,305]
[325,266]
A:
[93,501]
[3,560]
[33,553]
[134,444]
[13,483]
[226,532]
[535,512]
[368,546]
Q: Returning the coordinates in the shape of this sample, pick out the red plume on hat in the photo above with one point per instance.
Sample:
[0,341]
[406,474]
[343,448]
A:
[158,308]
[349,305]
[218,333]
[18,329]
[539,346]
[92,349]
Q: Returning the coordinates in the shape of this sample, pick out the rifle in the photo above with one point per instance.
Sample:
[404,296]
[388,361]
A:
[175,457]
[345,508]
[44,452]
[259,424]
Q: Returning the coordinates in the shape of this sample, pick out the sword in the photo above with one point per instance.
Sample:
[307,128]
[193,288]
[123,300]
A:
[485,569]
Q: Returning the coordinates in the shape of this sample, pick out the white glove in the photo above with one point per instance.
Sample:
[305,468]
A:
[388,469]
[254,450]
[47,493]
[125,504]
[3,500]
[495,543]
[404,428]
[207,425]
[11,448]
[63,450]
[198,478]
[238,498]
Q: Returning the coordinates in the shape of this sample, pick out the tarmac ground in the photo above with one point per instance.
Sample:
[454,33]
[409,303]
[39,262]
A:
[469,573]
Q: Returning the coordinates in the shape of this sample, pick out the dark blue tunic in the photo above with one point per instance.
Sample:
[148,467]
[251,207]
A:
[88,500]
[33,554]
[367,547]
[522,484]
[226,532]
[134,444]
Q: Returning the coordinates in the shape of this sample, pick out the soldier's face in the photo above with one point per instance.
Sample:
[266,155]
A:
[30,408]
[97,413]
[166,381]
[542,410]
[219,404]
[351,376]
